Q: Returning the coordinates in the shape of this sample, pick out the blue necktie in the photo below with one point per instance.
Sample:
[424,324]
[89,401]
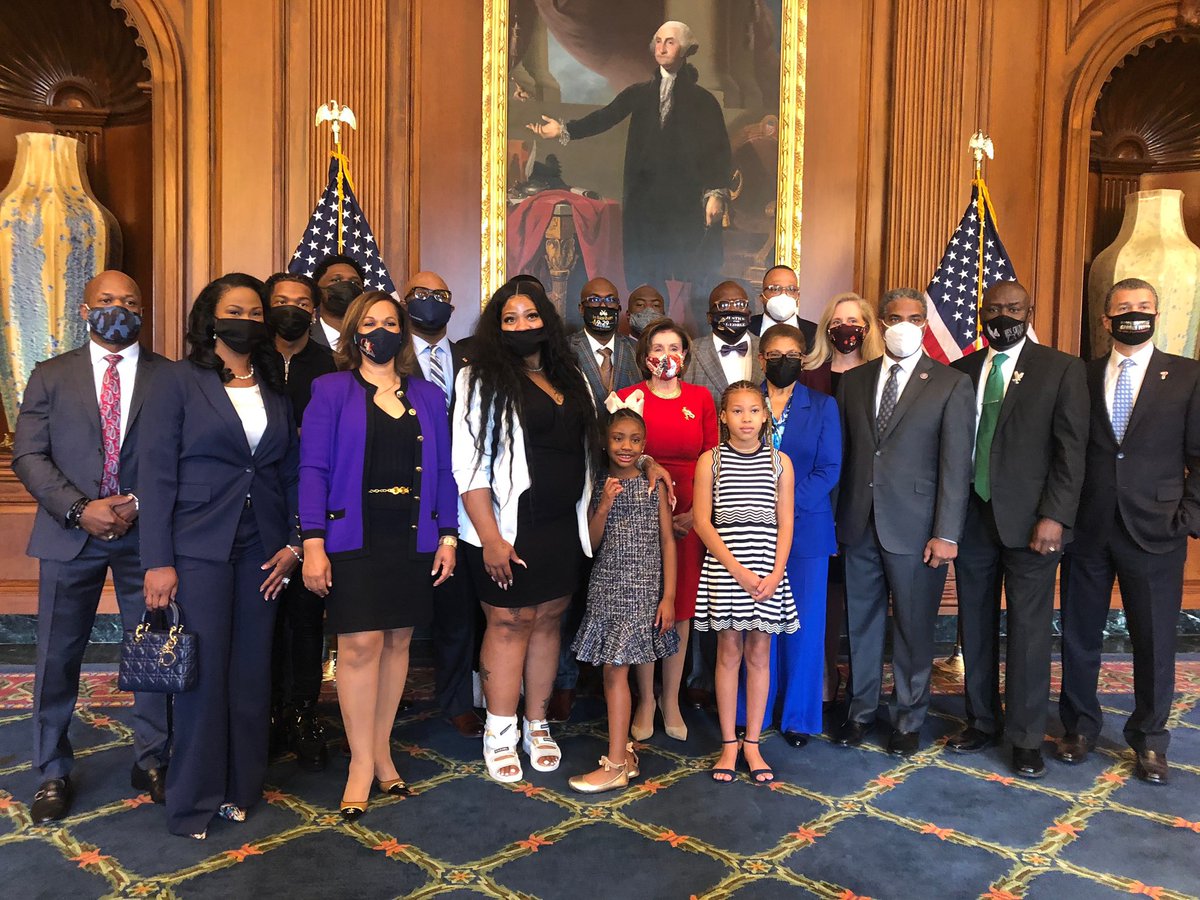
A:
[1122,400]
[437,373]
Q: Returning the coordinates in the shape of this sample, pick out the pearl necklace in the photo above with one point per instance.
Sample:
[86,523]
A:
[245,377]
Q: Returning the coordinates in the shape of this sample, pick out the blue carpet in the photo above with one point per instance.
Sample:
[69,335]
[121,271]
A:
[838,823]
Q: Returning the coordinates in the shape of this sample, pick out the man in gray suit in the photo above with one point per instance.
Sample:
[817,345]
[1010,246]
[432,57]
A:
[907,428]
[730,354]
[76,453]
[605,357]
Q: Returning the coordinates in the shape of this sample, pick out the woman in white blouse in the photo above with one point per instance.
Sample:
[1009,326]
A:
[219,537]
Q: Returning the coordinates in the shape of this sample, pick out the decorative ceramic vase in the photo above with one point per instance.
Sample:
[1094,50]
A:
[1153,245]
[54,236]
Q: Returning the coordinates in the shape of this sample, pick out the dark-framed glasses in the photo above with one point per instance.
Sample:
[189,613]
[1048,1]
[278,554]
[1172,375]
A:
[605,300]
[775,354]
[732,306]
[420,293]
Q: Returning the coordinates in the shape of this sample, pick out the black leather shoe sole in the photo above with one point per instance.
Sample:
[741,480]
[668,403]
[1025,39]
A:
[1030,767]
[795,739]
[974,742]
[903,743]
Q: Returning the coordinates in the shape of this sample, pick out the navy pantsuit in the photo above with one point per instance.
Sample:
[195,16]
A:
[216,512]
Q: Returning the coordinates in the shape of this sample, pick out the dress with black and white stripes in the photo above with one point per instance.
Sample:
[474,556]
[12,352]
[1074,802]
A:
[744,496]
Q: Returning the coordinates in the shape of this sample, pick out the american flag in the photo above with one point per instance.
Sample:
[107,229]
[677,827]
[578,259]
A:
[321,235]
[954,291]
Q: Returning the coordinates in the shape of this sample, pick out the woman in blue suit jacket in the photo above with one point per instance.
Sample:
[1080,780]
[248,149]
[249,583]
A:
[218,462]
[807,429]
[379,518]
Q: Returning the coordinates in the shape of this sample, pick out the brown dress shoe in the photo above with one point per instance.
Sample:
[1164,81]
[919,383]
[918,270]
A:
[1152,767]
[559,708]
[1073,749]
[467,724]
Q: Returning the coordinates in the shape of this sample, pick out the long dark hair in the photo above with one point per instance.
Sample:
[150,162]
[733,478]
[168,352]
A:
[497,373]
[203,343]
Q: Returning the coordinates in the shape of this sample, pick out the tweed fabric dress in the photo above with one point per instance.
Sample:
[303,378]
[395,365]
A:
[626,584]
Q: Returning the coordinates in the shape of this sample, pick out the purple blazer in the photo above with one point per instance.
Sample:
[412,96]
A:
[334,446]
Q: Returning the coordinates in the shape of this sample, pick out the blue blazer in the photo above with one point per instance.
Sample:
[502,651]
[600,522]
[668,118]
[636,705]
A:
[812,440]
[196,469]
[335,446]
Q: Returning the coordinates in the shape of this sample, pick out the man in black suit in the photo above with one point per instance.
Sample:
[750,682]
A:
[780,300]
[1032,414]
[907,423]
[428,300]
[1140,503]
[76,453]
[299,627]
[332,270]
[678,164]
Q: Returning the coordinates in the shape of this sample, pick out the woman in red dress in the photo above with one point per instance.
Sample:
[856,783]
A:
[681,423]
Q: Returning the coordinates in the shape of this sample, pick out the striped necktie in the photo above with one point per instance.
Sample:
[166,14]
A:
[437,372]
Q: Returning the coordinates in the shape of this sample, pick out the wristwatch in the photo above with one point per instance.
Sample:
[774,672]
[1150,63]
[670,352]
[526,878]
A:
[448,540]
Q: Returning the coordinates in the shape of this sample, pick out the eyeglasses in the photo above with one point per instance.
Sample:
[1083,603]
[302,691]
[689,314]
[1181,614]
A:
[773,290]
[420,293]
[732,306]
[606,300]
[775,354]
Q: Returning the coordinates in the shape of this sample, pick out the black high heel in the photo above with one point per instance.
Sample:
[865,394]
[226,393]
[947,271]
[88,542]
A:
[732,774]
[754,773]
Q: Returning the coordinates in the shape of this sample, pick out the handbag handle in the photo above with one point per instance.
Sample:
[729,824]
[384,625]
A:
[147,623]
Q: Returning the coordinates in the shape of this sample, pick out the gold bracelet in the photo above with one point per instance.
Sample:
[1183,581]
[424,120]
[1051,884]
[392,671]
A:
[448,540]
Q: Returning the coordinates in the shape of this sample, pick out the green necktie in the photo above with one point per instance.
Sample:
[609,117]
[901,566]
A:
[993,396]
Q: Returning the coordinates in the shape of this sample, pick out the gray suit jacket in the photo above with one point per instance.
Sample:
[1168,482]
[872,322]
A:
[58,453]
[704,366]
[917,475]
[625,367]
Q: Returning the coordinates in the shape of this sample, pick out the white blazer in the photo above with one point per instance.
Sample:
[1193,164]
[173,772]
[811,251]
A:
[506,479]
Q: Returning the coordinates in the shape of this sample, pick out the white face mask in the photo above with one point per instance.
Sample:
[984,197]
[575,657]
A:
[903,339]
[781,307]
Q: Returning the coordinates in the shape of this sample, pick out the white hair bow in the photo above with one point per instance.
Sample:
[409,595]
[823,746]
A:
[636,401]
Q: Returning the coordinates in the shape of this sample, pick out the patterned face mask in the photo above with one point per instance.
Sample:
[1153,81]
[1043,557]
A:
[665,367]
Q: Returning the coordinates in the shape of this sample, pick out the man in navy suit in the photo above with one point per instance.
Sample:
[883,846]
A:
[76,453]
[1140,503]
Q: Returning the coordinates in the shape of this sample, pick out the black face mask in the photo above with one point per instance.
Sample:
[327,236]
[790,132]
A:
[429,315]
[241,335]
[524,343]
[846,338]
[601,320]
[379,345]
[289,322]
[337,297]
[1132,328]
[784,371]
[729,326]
[115,324]
[1003,332]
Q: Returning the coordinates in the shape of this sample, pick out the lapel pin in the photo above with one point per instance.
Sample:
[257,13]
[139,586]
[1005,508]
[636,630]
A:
[1162,376]
[688,414]
[1017,376]
[924,376]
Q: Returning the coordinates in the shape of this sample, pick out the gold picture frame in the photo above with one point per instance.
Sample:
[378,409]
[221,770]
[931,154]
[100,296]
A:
[789,192]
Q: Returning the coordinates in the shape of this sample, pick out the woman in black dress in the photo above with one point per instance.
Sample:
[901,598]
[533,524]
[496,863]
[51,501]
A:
[379,518]
[524,427]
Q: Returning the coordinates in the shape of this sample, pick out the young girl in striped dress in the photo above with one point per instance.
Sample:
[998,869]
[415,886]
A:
[743,513]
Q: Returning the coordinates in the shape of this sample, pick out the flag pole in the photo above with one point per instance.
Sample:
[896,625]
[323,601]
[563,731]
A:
[335,114]
[981,145]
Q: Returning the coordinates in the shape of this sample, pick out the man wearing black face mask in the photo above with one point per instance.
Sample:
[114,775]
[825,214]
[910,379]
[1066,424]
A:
[731,354]
[76,453]
[1032,423]
[299,635]
[605,357]
[1140,503]
[340,279]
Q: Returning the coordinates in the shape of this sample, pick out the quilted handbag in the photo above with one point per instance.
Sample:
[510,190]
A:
[158,662]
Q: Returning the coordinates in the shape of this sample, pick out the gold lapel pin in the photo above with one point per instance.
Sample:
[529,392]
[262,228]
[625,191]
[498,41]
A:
[688,414]
[1017,376]
[924,376]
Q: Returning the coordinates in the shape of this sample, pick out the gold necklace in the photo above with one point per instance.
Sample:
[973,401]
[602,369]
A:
[678,391]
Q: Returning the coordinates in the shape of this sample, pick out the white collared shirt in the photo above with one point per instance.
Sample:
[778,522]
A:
[664,91]
[423,349]
[906,369]
[736,368]
[1006,371]
[1137,373]
[333,335]
[126,372]
[767,322]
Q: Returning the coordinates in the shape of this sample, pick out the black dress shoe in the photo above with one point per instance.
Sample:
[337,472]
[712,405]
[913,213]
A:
[467,724]
[307,738]
[698,698]
[52,800]
[152,781]
[1073,749]
[1152,767]
[851,734]
[1028,763]
[903,743]
[970,740]
[795,739]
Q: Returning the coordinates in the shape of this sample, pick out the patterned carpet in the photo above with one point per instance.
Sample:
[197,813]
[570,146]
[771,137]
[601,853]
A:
[838,823]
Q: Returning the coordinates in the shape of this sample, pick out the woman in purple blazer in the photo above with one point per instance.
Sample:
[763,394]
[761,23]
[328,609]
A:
[379,519]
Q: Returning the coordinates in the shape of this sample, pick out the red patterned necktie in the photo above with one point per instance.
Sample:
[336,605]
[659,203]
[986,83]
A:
[110,424]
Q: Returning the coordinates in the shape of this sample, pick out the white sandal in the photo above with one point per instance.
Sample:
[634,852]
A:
[538,745]
[500,750]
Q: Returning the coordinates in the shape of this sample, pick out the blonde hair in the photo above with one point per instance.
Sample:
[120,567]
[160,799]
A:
[822,349]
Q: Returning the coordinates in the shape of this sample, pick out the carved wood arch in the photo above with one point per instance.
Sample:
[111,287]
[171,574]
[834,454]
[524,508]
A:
[1108,39]
[164,55]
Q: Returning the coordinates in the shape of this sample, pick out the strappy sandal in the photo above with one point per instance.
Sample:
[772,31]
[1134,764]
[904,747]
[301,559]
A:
[755,773]
[537,746]
[631,761]
[231,813]
[730,774]
[498,756]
